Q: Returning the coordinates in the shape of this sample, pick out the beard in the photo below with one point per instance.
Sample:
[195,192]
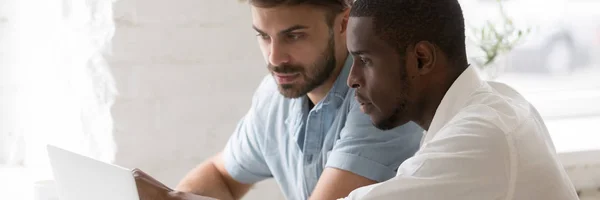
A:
[399,115]
[311,76]
[394,120]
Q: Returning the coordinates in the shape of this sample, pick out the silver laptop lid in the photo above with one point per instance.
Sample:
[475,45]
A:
[79,177]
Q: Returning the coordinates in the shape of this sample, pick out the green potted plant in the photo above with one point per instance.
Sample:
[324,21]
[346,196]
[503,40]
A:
[494,40]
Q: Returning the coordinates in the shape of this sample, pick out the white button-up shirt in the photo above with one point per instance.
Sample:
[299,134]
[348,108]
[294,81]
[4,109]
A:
[485,142]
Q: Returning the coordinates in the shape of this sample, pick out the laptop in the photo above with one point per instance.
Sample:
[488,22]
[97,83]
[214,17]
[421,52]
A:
[79,177]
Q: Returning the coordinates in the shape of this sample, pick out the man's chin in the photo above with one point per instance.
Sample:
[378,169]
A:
[291,92]
[382,126]
[378,123]
[387,124]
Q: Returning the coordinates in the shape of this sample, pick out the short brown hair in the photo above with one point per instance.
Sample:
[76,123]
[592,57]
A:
[332,7]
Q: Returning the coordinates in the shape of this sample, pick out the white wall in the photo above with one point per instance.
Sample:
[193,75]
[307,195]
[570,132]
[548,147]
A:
[7,90]
[185,71]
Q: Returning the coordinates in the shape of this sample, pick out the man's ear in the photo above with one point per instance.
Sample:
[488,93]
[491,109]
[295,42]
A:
[345,15]
[425,53]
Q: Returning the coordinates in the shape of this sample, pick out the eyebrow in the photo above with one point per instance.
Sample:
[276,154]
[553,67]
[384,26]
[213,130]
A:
[285,31]
[359,52]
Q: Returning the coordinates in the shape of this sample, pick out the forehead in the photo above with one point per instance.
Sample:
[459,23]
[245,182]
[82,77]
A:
[282,17]
[361,36]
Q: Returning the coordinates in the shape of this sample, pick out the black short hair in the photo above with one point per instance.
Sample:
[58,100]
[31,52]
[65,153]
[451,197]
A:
[332,7]
[405,22]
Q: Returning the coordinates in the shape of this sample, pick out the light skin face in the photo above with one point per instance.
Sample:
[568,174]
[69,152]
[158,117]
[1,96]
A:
[302,51]
[298,37]
[389,86]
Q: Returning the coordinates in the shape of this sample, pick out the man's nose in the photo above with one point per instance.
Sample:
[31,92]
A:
[278,54]
[354,78]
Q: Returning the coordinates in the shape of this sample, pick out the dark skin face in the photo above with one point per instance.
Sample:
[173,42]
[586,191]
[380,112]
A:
[394,89]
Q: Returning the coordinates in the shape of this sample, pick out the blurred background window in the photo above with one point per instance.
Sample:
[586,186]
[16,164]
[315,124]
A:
[555,63]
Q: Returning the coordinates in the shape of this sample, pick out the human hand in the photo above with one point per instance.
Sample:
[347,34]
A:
[149,188]
[152,189]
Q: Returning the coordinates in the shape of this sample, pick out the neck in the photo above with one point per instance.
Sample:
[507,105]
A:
[435,93]
[317,94]
[428,109]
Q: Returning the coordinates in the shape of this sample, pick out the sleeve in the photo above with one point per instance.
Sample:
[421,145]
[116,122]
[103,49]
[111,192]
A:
[461,163]
[369,152]
[243,155]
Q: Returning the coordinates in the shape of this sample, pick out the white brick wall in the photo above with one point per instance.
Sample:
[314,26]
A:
[7,90]
[185,71]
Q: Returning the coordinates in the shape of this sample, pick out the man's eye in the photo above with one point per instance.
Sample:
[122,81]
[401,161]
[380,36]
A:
[294,36]
[262,36]
[365,61]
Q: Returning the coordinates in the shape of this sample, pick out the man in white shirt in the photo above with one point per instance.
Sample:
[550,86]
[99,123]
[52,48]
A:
[483,140]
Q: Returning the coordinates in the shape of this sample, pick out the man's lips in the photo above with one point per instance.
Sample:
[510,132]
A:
[361,100]
[365,106]
[286,78]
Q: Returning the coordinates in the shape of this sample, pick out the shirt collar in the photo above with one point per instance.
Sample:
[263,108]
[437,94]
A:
[334,97]
[454,99]
[338,91]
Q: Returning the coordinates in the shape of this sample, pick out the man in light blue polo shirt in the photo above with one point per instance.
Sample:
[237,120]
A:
[304,128]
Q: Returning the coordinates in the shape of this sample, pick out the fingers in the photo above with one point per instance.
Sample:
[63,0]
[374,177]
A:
[189,196]
[140,175]
[152,189]
[148,188]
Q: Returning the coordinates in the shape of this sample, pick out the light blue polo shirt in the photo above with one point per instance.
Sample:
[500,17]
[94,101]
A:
[281,138]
